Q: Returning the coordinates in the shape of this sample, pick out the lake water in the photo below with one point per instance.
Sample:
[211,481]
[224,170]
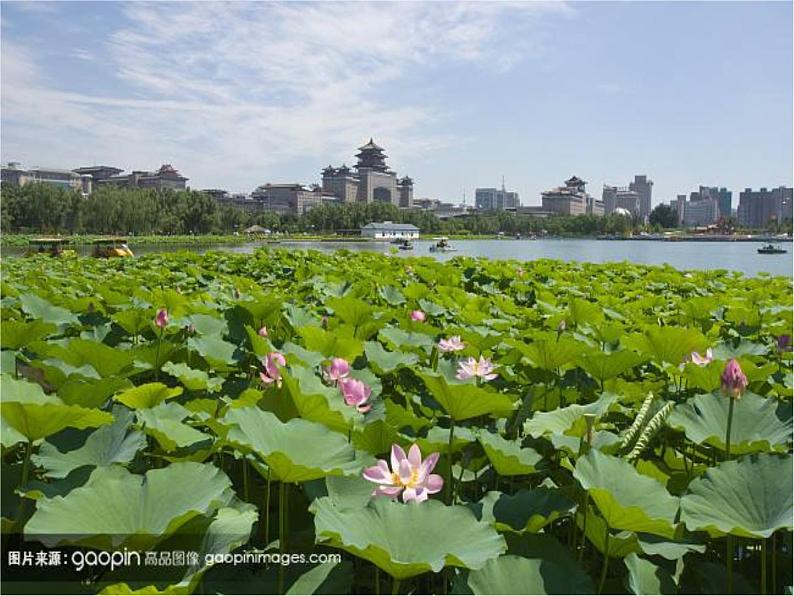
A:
[738,256]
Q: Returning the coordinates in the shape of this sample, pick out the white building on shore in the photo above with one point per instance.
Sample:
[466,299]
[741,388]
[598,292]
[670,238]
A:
[389,231]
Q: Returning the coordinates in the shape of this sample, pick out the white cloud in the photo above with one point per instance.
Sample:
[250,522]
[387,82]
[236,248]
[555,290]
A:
[227,91]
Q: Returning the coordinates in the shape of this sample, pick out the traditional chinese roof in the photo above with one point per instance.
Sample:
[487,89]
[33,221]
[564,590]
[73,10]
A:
[370,146]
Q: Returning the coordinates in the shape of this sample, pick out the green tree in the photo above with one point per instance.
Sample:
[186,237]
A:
[664,216]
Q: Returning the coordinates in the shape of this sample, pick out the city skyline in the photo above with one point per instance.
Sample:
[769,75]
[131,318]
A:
[536,93]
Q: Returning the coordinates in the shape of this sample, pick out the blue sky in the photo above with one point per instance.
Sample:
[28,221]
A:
[236,95]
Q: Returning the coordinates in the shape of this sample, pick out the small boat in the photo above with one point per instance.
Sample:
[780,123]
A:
[771,249]
[405,245]
[50,246]
[442,245]
[107,248]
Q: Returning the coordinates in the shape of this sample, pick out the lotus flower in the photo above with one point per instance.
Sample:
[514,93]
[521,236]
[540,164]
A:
[356,393]
[733,380]
[784,343]
[262,331]
[337,370]
[272,373]
[472,367]
[699,360]
[453,344]
[409,475]
[418,316]
[161,320]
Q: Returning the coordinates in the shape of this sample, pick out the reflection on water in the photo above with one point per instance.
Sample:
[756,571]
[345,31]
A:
[738,256]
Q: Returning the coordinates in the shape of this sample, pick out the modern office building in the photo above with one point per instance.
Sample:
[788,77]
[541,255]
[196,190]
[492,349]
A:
[15,174]
[495,199]
[759,208]
[615,197]
[703,212]
[644,189]
[370,181]
[571,199]
[292,199]
[165,177]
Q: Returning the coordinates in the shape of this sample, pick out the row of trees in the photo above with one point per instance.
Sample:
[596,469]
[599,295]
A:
[37,208]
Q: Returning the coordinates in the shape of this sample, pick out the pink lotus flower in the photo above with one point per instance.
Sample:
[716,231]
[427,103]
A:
[337,370]
[472,367]
[356,393]
[699,360]
[418,316]
[409,475]
[272,372]
[453,344]
[161,320]
[262,331]
[733,380]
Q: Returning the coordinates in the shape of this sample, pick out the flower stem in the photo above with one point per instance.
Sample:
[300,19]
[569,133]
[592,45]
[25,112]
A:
[729,561]
[245,477]
[763,566]
[450,477]
[605,568]
[395,586]
[728,431]
[282,531]
[157,356]
[267,510]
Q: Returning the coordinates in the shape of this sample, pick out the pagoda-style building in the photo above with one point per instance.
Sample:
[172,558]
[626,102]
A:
[371,181]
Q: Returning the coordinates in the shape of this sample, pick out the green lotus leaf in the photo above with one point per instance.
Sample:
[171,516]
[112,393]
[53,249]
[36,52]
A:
[406,540]
[621,543]
[16,334]
[351,310]
[530,510]
[133,320]
[312,400]
[116,509]
[626,499]
[755,427]
[325,578]
[602,366]
[106,360]
[671,550]
[217,352]
[726,351]
[193,379]
[705,377]
[310,359]
[399,338]
[750,497]
[647,578]
[147,396]
[384,361]
[207,324]
[164,423]
[582,312]
[668,344]
[331,343]
[38,308]
[375,438]
[510,574]
[464,400]
[437,439]
[295,451]
[562,420]
[508,457]
[112,444]
[35,415]
[392,295]
[91,393]
[550,354]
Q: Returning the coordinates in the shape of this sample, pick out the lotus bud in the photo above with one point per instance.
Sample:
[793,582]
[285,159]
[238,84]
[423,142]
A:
[733,380]
[418,316]
[161,320]
[262,331]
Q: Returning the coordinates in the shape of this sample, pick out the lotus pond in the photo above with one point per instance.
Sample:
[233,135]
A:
[393,426]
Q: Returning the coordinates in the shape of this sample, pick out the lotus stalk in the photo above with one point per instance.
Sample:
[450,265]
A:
[605,567]
[733,384]
[161,321]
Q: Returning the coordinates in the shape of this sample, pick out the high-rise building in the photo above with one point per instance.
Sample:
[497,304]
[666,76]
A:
[644,188]
[372,180]
[494,199]
[722,195]
[704,212]
[757,209]
[615,197]
[571,199]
